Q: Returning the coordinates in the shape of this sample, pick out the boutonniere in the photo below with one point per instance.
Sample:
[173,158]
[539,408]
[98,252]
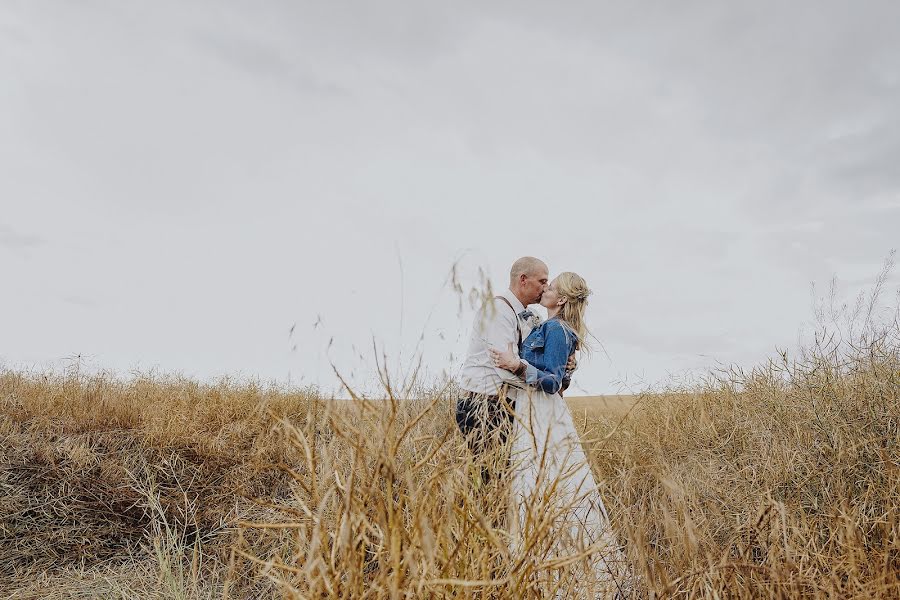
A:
[530,318]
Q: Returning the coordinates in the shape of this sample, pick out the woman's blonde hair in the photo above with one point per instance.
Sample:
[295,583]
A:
[574,289]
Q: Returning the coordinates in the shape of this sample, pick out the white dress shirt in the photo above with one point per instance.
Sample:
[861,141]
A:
[495,327]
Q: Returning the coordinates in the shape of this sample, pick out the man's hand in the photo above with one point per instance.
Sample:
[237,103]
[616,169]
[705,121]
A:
[508,359]
[571,365]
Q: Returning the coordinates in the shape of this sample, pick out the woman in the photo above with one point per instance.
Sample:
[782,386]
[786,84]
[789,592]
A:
[552,481]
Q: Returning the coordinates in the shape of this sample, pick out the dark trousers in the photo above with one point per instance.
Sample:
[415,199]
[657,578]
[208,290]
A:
[486,422]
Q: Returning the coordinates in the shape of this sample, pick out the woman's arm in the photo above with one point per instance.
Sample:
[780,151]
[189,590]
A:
[556,355]
[557,345]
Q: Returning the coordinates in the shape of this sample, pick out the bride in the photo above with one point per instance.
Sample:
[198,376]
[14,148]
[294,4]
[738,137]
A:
[552,482]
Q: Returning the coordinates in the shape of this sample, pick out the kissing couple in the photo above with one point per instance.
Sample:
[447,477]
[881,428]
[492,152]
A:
[519,429]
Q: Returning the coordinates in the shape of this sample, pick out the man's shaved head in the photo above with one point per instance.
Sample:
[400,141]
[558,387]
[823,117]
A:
[528,266]
[528,279]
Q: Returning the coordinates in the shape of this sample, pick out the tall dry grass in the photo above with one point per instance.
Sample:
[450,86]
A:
[389,503]
[779,482]
[107,484]
[165,488]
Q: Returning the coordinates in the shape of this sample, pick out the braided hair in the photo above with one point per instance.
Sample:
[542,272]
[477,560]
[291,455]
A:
[574,289]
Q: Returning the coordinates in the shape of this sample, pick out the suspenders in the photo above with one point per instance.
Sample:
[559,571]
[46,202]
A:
[504,389]
[516,316]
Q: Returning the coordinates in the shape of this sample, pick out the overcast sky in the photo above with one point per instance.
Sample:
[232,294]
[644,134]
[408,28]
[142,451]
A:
[182,182]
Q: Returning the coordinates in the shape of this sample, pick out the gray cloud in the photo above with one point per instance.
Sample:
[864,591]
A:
[868,165]
[80,301]
[673,340]
[15,240]
[265,60]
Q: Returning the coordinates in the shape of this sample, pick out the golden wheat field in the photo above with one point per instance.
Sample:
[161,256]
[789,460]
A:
[782,482]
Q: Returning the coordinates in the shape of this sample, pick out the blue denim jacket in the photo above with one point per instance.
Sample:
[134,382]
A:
[546,351]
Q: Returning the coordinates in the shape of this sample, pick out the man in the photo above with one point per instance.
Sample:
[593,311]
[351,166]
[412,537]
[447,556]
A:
[484,409]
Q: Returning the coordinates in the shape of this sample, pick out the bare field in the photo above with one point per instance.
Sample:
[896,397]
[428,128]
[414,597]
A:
[595,406]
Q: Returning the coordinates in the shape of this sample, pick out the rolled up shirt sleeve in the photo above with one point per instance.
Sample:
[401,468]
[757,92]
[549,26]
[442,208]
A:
[567,381]
[531,374]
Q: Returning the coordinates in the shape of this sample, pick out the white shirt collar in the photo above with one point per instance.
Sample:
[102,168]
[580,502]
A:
[516,304]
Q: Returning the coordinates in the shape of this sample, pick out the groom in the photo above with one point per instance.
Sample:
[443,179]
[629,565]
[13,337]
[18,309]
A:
[484,408]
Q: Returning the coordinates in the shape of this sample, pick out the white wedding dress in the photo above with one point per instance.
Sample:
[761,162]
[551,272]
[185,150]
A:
[553,489]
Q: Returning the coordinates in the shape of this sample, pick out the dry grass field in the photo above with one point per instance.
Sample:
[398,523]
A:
[782,482]
[589,407]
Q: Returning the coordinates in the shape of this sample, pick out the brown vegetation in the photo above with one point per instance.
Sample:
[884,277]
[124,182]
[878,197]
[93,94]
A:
[781,482]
